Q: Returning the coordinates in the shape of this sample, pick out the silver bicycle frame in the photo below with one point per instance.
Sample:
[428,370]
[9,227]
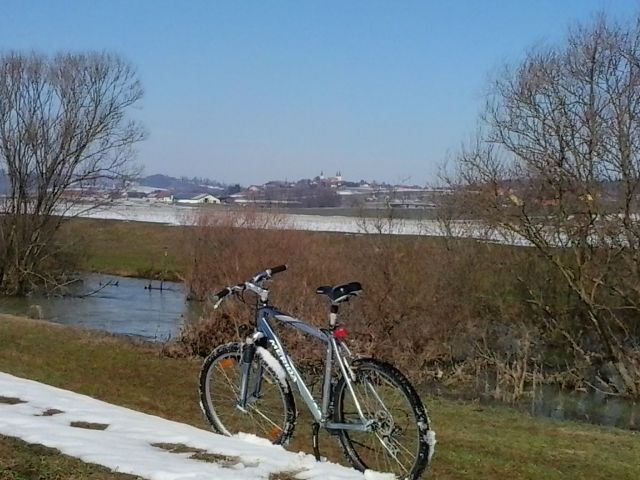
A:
[334,350]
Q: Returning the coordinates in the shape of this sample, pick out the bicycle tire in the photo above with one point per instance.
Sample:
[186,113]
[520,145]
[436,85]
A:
[360,454]
[224,415]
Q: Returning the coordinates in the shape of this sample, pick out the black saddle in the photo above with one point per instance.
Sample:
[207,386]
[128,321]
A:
[340,293]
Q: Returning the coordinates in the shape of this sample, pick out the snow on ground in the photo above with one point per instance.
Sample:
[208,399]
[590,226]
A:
[125,445]
[136,211]
[182,215]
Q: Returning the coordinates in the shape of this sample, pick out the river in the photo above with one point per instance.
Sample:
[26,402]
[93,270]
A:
[119,305]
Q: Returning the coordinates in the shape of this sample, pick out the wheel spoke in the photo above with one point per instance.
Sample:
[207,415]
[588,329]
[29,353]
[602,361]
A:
[394,444]
[391,453]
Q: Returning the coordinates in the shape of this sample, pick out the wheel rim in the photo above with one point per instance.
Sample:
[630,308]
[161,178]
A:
[394,444]
[264,417]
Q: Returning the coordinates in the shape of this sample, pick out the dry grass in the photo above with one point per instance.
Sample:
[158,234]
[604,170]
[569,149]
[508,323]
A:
[177,448]
[10,400]
[284,476]
[198,454]
[435,308]
[50,412]
[90,425]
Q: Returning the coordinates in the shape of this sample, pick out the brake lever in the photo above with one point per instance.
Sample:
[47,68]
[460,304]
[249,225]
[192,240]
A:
[217,304]
[232,291]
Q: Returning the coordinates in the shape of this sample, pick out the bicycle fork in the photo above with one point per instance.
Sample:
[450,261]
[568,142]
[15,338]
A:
[248,354]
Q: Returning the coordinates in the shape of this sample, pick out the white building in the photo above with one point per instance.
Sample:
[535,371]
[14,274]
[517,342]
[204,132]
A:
[201,198]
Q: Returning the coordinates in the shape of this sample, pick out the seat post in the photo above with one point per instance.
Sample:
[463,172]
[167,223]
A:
[333,315]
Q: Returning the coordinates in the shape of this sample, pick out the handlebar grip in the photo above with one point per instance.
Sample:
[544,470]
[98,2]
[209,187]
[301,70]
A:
[277,269]
[222,293]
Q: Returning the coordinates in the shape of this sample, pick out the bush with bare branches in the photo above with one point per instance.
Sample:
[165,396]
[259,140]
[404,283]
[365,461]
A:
[556,165]
[438,309]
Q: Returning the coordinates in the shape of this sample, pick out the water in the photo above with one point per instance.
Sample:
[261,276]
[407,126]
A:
[553,402]
[591,406]
[124,307]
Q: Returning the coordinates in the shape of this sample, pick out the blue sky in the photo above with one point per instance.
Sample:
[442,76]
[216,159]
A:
[248,91]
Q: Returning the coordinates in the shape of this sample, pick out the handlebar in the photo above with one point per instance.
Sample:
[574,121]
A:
[277,269]
[255,285]
[222,293]
[268,273]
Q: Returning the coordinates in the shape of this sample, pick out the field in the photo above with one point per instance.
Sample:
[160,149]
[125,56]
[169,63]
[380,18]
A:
[474,441]
[459,300]
[130,249]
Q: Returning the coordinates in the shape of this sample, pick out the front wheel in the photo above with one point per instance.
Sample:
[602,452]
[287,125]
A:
[270,411]
[400,440]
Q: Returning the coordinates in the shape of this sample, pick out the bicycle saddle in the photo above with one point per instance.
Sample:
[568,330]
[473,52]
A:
[340,293]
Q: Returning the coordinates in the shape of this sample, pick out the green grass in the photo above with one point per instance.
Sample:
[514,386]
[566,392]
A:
[22,461]
[101,366]
[474,442]
[130,249]
[135,249]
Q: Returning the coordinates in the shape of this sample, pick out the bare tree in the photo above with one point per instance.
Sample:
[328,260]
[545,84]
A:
[557,164]
[63,130]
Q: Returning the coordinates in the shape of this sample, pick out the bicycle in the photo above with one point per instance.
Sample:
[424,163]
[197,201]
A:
[368,404]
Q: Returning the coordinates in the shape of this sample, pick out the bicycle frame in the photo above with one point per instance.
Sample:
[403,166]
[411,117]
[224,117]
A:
[333,347]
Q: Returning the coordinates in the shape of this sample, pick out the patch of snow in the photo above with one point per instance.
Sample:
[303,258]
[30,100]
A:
[180,215]
[273,363]
[125,445]
[431,441]
[184,215]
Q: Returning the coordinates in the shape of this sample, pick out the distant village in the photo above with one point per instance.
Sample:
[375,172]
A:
[319,192]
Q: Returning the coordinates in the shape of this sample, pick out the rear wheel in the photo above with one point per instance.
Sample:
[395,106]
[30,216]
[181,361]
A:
[400,438]
[270,413]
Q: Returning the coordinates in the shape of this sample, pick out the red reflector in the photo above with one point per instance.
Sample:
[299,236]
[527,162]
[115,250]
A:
[340,333]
